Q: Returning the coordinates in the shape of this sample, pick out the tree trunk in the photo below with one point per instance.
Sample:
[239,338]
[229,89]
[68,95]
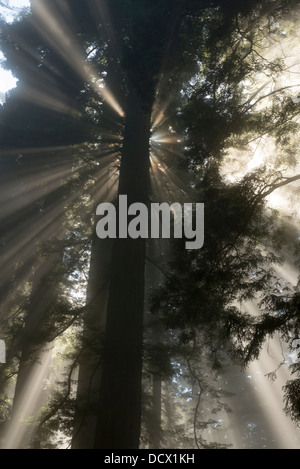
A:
[156,405]
[90,363]
[89,378]
[154,277]
[120,393]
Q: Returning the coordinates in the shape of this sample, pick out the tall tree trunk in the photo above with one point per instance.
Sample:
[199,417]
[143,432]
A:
[90,363]
[156,406]
[89,377]
[120,393]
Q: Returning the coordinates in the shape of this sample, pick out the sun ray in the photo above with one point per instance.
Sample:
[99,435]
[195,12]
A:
[57,30]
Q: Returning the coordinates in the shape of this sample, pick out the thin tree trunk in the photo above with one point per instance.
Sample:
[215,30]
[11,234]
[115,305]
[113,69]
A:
[120,393]
[154,277]
[156,406]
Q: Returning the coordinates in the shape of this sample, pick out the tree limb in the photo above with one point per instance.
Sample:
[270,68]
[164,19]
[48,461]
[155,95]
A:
[284,182]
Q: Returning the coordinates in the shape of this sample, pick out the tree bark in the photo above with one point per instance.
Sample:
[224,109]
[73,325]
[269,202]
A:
[120,393]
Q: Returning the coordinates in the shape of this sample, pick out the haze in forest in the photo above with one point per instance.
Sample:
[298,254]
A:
[133,342]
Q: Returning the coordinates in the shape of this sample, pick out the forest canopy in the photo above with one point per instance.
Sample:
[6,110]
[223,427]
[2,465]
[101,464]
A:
[138,342]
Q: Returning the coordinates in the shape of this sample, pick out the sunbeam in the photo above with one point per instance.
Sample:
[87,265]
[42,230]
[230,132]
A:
[19,429]
[60,35]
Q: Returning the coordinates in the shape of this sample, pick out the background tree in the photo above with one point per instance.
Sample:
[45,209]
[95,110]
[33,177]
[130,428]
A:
[206,291]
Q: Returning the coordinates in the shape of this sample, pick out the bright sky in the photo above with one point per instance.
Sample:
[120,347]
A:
[7,81]
[8,13]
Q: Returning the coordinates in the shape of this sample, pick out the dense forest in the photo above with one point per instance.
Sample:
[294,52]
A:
[140,341]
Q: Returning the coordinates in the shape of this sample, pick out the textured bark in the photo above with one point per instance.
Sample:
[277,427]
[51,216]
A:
[120,393]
